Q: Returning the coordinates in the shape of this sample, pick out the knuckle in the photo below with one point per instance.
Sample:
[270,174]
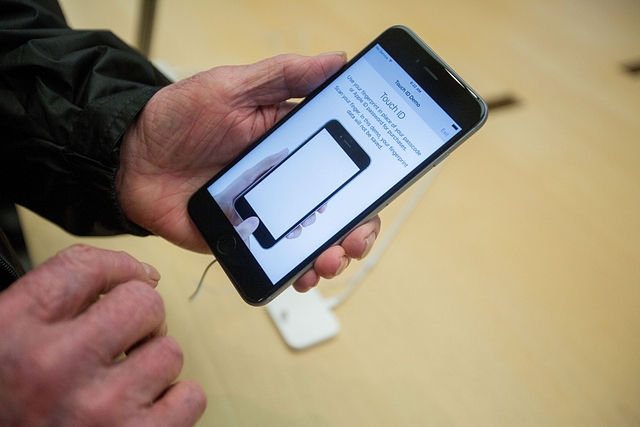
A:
[48,295]
[164,359]
[91,263]
[80,259]
[100,405]
[145,299]
[169,350]
[77,254]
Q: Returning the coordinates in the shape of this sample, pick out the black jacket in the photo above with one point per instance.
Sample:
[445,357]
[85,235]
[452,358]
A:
[66,98]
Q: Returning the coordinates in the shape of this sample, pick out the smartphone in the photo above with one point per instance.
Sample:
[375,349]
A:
[345,152]
[322,165]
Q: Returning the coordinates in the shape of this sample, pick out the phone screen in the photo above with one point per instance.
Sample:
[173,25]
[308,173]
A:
[320,166]
[390,116]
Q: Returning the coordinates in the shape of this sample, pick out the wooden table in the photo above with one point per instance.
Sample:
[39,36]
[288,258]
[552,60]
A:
[511,296]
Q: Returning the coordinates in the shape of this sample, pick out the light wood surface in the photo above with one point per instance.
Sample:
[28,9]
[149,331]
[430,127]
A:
[511,296]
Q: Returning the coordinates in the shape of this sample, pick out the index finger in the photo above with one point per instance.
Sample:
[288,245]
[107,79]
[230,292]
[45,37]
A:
[282,77]
[63,286]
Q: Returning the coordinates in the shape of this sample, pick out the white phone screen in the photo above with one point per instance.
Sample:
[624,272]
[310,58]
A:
[300,183]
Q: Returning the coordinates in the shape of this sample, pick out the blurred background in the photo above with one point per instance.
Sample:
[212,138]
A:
[511,295]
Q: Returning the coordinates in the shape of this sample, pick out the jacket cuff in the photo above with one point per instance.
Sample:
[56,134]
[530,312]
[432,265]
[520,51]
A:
[106,121]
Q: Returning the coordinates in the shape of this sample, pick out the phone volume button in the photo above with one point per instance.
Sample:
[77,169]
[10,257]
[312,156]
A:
[440,160]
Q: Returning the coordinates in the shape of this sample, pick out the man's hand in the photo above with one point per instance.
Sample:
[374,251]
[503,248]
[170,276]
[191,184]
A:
[190,130]
[60,340]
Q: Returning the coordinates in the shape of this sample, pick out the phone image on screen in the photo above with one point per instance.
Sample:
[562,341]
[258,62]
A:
[390,115]
[294,189]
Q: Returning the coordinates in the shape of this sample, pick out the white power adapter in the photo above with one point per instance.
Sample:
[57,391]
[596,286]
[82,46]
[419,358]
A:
[303,320]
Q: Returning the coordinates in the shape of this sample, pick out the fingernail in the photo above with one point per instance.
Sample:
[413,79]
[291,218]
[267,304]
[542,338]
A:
[151,271]
[336,52]
[163,330]
[344,263]
[371,238]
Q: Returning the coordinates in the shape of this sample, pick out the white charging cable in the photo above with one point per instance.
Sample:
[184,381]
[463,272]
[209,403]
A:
[386,238]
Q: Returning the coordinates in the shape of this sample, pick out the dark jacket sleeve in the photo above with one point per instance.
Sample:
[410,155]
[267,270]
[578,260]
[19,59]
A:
[66,98]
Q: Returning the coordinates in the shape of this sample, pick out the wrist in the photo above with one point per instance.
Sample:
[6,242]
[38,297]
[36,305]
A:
[123,199]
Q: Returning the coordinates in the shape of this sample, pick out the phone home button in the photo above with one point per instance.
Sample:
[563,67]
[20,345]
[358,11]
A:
[226,244]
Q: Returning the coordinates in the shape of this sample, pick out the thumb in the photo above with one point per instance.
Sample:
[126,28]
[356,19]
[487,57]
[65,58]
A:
[282,77]
[247,227]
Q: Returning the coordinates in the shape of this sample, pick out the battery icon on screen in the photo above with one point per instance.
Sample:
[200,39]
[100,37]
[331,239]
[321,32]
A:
[455,127]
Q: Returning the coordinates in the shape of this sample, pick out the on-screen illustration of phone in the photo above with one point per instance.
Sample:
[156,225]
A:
[294,189]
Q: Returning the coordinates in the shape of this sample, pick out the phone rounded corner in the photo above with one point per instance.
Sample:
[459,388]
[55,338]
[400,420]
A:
[403,28]
[258,302]
[267,245]
[484,111]
[367,162]
[192,202]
